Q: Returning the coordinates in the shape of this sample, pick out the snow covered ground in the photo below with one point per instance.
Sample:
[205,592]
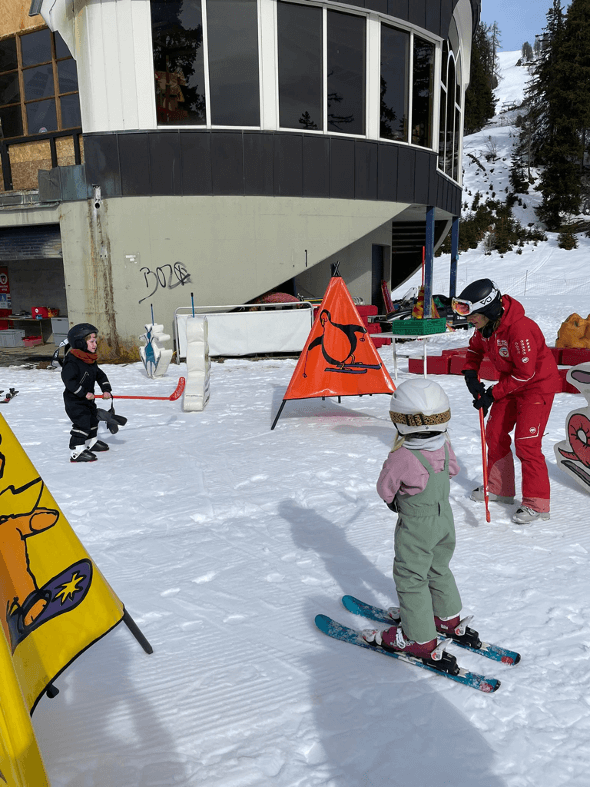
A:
[224,540]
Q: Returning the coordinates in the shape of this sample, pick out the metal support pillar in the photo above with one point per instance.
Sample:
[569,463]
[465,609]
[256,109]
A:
[429,251]
[453,268]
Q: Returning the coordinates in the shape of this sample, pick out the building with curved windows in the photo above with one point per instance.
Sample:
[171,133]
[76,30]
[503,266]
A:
[231,147]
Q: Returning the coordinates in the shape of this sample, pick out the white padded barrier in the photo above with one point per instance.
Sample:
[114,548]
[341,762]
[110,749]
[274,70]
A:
[275,328]
[196,393]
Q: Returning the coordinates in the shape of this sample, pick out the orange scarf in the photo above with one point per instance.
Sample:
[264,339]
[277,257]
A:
[85,356]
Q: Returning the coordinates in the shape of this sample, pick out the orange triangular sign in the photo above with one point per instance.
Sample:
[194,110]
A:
[339,359]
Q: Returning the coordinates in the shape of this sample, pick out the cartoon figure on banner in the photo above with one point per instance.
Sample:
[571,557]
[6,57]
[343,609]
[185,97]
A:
[338,343]
[27,605]
[572,454]
[155,358]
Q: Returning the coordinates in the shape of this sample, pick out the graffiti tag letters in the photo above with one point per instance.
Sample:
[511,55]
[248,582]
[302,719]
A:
[165,277]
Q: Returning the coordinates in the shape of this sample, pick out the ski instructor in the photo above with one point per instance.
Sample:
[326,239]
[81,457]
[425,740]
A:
[521,399]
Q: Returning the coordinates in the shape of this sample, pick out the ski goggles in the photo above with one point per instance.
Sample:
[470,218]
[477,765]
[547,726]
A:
[464,308]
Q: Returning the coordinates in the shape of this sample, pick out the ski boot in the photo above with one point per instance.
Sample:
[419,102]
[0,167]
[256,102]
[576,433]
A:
[524,515]
[453,628]
[478,496]
[97,446]
[83,456]
[431,653]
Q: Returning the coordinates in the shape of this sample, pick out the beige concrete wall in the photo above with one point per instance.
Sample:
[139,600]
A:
[354,266]
[14,17]
[134,252]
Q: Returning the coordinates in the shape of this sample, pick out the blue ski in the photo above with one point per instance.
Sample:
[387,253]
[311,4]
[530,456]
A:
[345,634]
[381,616]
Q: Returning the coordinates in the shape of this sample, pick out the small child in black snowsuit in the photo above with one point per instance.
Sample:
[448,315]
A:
[80,372]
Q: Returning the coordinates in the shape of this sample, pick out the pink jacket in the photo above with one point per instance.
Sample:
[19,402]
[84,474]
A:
[519,353]
[403,472]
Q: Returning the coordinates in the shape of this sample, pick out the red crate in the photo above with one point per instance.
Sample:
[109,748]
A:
[557,353]
[31,341]
[436,364]
[571,356]
[458,351]
[566,386]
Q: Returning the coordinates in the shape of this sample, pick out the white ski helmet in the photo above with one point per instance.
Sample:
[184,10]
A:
[419,405]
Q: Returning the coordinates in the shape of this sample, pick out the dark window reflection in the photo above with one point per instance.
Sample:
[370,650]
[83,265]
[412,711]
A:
[449,127]
[61,50]
[422,91]
[70,107]
[9,89]
[232,46]
[41,116]
[38,82]
[456,161]
[394,83]
[11,121]
[300,66]
[442,106]
[345,73]
[177,39]
[36,48]
[8,59]
[68,76]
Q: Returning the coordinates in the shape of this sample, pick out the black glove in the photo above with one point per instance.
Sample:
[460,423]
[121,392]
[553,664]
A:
[112,420]
[393,506]
[484,401]
[475,387]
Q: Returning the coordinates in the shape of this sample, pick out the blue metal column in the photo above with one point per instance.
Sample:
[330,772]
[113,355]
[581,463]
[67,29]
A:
[429,250]
[453,268]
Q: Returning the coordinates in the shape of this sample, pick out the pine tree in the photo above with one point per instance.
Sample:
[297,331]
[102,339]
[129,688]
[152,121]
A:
[527,53]
[480,101]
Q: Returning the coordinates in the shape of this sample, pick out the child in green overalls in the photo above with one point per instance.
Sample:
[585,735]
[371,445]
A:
[415,482]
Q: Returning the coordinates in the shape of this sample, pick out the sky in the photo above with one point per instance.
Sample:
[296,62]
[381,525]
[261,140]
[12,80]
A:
[518,20]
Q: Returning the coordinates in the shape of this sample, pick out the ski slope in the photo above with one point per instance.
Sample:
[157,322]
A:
[224,540]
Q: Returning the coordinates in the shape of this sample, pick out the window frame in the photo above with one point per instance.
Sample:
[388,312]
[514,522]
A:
[56,96]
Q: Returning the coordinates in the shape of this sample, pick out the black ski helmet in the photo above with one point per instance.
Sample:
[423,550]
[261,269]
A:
[486,297]
[78,333]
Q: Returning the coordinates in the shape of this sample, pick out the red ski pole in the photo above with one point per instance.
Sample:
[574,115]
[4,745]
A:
[484,467]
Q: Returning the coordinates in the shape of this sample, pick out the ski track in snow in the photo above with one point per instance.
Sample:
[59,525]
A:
[224,540]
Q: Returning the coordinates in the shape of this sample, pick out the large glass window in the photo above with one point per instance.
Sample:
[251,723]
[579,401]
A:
[345,83]
[422,91]
[232,45]
[38,85]
[177,40]
[299,33]
[394,83]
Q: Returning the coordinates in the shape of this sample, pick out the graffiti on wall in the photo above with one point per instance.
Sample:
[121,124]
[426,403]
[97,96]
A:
[165,277]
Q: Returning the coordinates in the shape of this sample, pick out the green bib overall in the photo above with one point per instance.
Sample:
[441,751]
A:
[424,543]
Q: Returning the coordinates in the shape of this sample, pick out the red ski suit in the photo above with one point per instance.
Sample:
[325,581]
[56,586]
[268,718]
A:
[522,399]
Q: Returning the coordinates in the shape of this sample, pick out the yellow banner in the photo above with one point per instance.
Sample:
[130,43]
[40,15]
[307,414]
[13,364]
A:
[20,761]
[54,602]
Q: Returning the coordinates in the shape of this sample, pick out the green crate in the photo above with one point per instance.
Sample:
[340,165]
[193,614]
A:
[422,327]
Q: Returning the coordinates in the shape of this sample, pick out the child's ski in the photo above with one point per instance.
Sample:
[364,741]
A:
[381,616]
[471,679]
[8,396]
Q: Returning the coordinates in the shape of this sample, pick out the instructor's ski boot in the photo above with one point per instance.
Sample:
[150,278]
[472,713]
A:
[525,515]
[478,496]
[394,641]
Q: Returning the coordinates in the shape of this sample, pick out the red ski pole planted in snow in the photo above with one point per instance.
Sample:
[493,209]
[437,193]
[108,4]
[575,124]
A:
[176,394]
[484,468]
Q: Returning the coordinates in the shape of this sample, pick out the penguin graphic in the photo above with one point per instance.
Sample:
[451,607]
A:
[338,343]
